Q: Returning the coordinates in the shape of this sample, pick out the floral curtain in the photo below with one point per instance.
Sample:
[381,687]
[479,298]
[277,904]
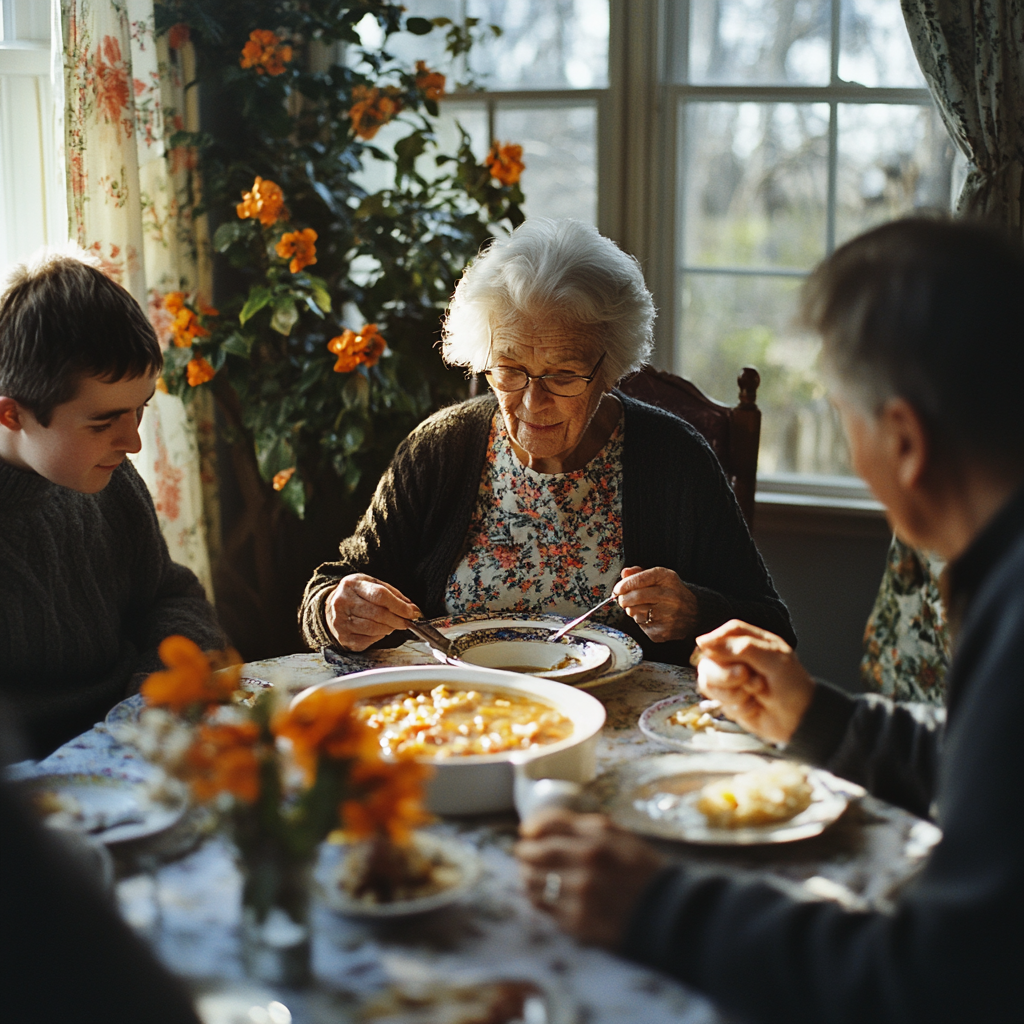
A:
[972,55]
[124,93]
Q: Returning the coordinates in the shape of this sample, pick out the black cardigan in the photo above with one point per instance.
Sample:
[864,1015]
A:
[677,507]
[953,949]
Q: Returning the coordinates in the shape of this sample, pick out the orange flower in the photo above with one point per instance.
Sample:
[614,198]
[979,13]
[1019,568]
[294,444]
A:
[190,677]
[323,723]
[431,83]
[352,349]
[186,327]
[373,107]
[266,52]
[505,162]
[393,802]
[300,246]
[265,202]
[199,371]
[178,35]
[222,759]
[173,302]
[161,385]
[280,479]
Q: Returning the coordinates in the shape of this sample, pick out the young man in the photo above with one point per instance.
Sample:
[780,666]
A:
[923,328]
[88,587]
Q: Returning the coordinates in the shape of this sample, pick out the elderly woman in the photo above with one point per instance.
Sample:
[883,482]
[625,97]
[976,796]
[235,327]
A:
[554,490]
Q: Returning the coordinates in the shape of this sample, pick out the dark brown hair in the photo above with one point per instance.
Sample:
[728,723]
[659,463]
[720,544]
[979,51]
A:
[930,310]
[62,320]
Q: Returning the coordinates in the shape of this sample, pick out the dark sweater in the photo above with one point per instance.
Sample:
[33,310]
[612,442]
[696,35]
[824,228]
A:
[678,511]
[89,591]
[953,949]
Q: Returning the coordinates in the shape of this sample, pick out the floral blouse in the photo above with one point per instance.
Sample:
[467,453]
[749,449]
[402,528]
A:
[549,543]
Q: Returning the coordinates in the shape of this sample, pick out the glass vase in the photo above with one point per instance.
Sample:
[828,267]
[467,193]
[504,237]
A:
[276,933]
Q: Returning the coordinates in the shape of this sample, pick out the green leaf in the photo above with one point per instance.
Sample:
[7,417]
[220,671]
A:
[322,296]
[259,296]
[371,205]
[352,475]
[293,494]
[238,344]
[227,234]
[357,390]
[420,26]
[352,439]
[407,150]
[285,317]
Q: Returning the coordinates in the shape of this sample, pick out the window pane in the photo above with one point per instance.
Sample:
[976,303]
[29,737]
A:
[875,47]
[560,152]
[545,44]
[729,322]
[892,160]
[755,184]
[760,41]
[409,48]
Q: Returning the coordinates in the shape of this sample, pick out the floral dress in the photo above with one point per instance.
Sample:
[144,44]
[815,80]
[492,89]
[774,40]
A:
[906,642]
[548,543]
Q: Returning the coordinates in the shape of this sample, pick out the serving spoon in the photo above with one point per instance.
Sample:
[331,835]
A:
[582,618]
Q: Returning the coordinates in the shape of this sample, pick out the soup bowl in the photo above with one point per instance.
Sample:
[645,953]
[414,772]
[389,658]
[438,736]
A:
[483,783]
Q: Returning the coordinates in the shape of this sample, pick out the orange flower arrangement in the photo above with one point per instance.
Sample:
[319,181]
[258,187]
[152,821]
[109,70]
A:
[505,162]
[372,108]
[199,371]
[191,677]
[300,246]
[282,478]
[265,203]
[266,52]
[430,83]
[393,804]
[223,759]
[353,349]
[178,35]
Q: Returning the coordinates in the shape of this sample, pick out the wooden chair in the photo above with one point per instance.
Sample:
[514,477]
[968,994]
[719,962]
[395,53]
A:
[734,432]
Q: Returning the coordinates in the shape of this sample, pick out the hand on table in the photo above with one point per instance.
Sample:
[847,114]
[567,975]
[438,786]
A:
[585,872]
[662,605]
[756,677]
[362,610]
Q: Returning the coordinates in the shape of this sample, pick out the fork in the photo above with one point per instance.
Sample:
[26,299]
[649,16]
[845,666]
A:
[575,622]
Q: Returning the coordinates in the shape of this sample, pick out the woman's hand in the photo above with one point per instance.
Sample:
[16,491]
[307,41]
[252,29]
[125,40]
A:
[362,610]
[585,872]
[756,677]
[662,605]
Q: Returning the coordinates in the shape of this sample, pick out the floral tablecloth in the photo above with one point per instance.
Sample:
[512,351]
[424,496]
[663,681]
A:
[188,907]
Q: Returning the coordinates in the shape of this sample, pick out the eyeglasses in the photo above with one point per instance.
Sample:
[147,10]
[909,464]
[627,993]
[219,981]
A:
[565,385]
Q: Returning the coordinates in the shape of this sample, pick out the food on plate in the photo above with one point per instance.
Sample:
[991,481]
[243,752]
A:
[446,722]
[777,792]
[706,714]
[375,873]
[502,1001]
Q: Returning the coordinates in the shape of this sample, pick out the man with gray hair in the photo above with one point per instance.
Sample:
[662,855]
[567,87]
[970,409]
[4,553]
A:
[923,328]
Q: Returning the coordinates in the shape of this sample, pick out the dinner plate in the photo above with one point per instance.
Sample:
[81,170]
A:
[725,735]
[451,852]
[626,652]
[655,796]
[110,808]
[525,649]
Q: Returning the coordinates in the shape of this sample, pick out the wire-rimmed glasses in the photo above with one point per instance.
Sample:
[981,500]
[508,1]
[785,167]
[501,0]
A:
[564,385]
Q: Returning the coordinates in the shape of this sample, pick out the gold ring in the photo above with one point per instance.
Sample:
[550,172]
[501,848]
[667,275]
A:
[552,888]
[650,617]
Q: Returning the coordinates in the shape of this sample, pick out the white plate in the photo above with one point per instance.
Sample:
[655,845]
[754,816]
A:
[626,652]
[728,736]
[629,790]
[526,649]
[109,808]
[451,851]
[126,713]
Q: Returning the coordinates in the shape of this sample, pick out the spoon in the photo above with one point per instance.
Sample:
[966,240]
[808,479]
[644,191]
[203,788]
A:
[432,637]
[575,622]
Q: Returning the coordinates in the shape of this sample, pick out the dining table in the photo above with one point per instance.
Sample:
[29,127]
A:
[180,889]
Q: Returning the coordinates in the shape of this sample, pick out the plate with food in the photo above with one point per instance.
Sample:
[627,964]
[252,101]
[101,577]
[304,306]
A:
[682,723]
[721,799]
[109,808]
[624,652]
[363,879]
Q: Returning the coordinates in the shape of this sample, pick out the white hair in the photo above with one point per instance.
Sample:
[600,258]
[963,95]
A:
[561,270]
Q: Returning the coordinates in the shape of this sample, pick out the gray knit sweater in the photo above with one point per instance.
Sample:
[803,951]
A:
[89,591]
[678,511]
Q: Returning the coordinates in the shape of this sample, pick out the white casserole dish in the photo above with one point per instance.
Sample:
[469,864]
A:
[482,783]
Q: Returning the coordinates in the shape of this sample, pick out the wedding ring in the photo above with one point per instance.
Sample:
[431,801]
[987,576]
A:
[650,617]
[552,888]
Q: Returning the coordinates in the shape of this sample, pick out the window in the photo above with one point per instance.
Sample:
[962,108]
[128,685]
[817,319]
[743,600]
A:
[32,205]
[799,124]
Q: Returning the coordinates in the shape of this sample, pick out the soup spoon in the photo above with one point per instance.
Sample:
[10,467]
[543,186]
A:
[575,622]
